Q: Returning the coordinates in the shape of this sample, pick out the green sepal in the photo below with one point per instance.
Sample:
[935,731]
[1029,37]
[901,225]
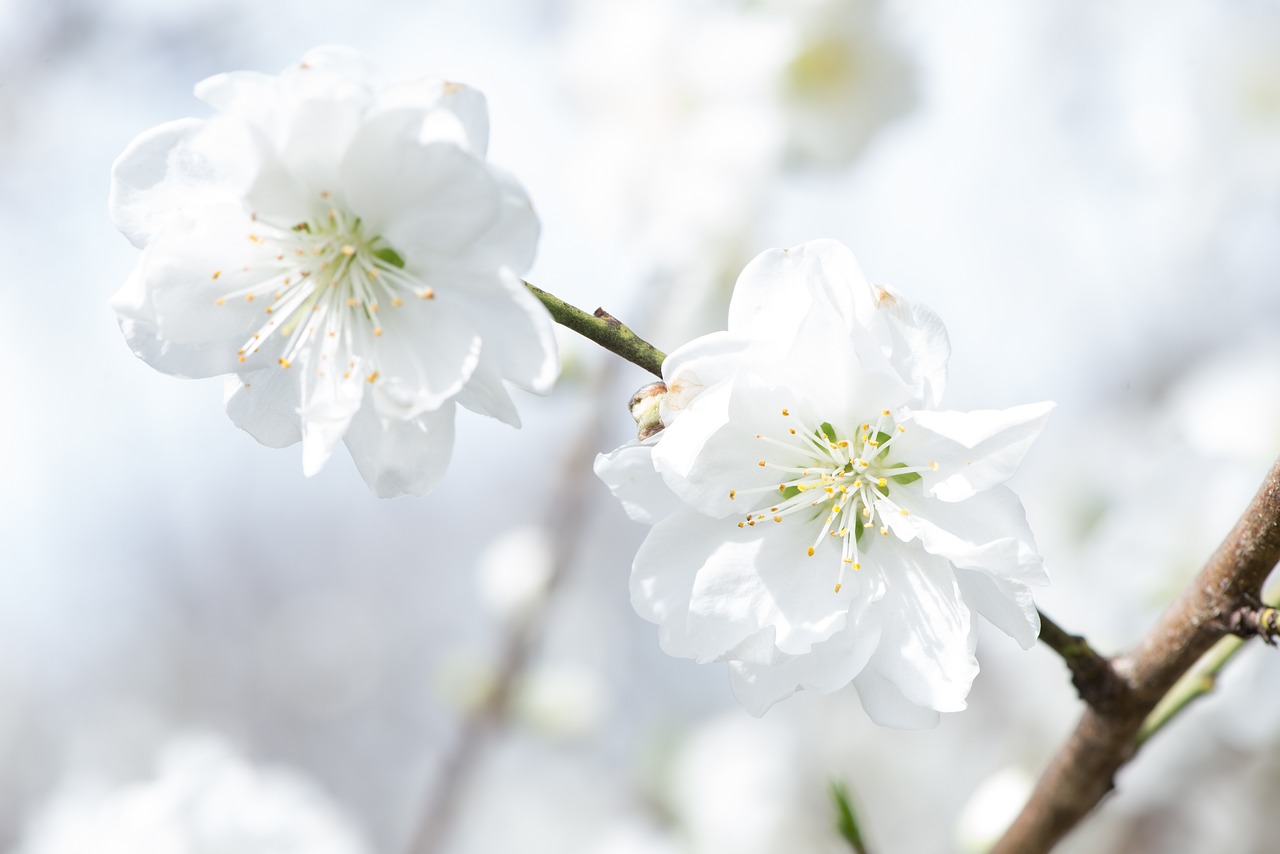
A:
[828,431]
[390,256]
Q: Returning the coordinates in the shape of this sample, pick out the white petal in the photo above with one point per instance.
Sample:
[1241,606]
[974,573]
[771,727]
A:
[401,458]
[982,448]
[464,104]
[426,200]
[426,353]
[631,477]
[518,332]
[714,446]
[160,174]
[693,367]
[886,706]
[663,574]
[265,405]
[926,648]
[918,342]
[780,287]
[486,394]
[987,531]
[828,667]
[1006,604]
[331,397]
[137,321]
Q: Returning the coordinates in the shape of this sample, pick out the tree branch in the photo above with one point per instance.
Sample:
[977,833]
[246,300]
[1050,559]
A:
[1106,738]
[605,330]
[1092,674]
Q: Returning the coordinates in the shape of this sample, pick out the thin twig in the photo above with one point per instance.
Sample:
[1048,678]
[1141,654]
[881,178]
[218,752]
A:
[1091,674]
[1084,769]
[605,330]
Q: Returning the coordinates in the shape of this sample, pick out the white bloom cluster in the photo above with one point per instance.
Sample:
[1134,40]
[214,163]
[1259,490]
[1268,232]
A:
[816,519]
[342,249]
[204,800]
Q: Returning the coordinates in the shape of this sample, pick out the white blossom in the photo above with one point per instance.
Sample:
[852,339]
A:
[342,249]
[817,520]
[204,799]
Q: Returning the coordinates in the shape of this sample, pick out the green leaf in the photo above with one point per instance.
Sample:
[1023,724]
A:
[390,256]
[846,818]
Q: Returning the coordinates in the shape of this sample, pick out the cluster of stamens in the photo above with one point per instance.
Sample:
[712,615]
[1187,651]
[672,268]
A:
[328,278]
[848,480]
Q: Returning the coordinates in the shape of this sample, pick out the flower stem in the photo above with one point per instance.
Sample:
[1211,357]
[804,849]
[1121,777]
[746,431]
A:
[1196,683]
[604,329]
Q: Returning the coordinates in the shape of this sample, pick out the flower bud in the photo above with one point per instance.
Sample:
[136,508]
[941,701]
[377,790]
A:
[644,407]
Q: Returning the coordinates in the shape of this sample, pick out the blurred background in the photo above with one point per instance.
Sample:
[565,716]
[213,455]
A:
[202,651]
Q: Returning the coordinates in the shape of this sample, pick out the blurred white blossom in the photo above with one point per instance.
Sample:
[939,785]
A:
[342,249]
[204,799]
[815,415]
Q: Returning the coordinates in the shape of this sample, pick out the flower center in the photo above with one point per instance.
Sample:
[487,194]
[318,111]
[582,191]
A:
[328,280]
[840,482]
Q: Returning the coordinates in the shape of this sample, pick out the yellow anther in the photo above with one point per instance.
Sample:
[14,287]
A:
[903,511]
[866,427]
[933,466]
[884,412]
[217,273]
[284,363]
[242,358]
[733,493]
[377,331]
[837,587]
[740,525]
[882,482]
[348,249]
[901,429]
[761,464]
[351,302]
[804,487]
[220,301]
[373,306]
[843,443]
[270,309]
[427,293]
[884,532]
[248,297]
[857,484]
[777,518]
[844,532]
[827,489]
[773,509]
[857,566]
[792,430]
[759,435]
[255,238]
[786,412]
[372,272]
[373,376]
[397,302]
[810,551]
[869,525]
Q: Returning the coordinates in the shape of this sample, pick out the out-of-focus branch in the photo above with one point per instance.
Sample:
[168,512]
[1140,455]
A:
[1106,738]
[568,507]
[604,329]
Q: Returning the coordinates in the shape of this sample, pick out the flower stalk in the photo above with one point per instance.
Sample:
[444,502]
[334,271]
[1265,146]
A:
[604,329]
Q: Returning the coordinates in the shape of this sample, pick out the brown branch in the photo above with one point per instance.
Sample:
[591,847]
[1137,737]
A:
[1092,674]
[1084,769]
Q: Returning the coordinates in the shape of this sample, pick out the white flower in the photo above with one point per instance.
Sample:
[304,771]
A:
[343,250]
[204,799]
[816,520]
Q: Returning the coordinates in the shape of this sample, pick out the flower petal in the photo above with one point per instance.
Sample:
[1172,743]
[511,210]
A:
[426,352]
[518,332]
[401,458]
[1006,604]
[631,477]
[265,405]
[987,531]
[464,104]
[425,200]
[918,344]
[828,667]
[981,448]
[886,706]
[928,640]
